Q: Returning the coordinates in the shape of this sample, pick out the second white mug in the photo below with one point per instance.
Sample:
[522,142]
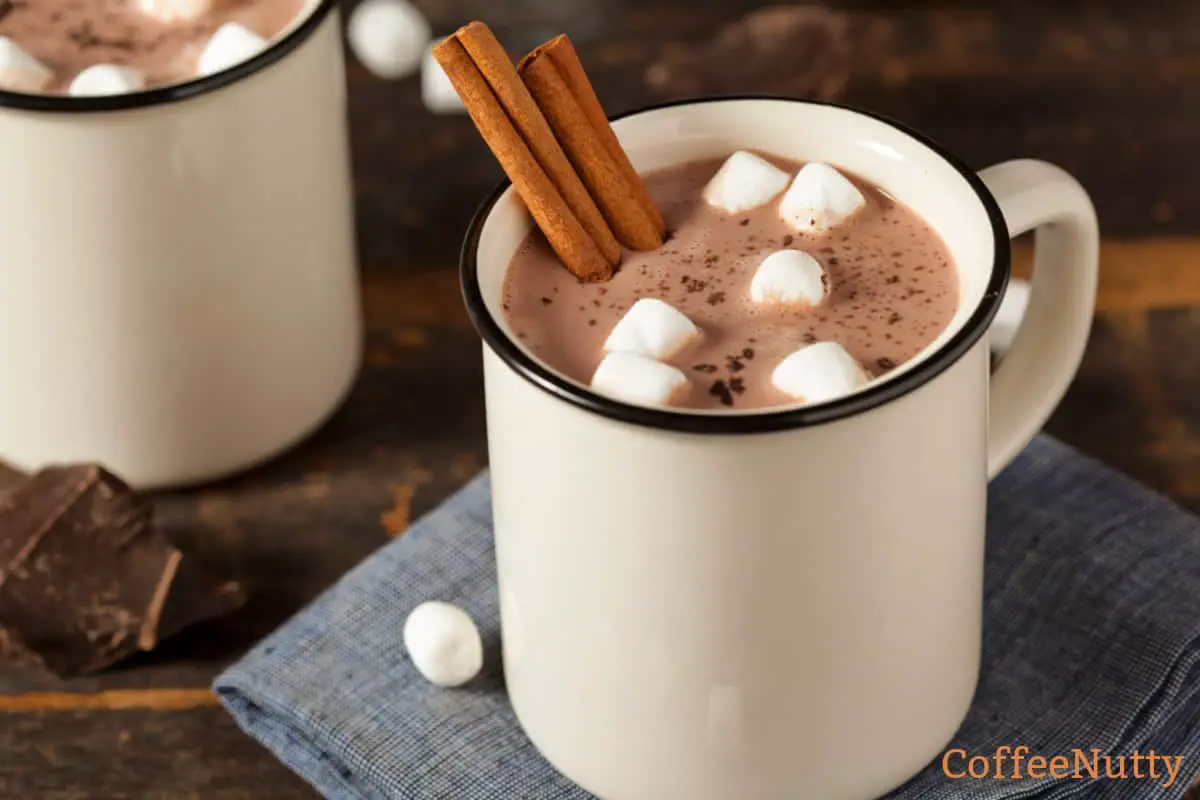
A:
[179,293]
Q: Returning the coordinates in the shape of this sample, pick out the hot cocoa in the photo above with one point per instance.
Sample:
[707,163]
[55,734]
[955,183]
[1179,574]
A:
[148,42]
[851,269]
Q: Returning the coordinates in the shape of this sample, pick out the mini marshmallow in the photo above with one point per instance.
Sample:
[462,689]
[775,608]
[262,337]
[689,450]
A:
[437,92]
[230,45]
[819,372]
[19,71]
[789,276]
[819,198]
[175,10]
[634,378]
[103,79]
[652,328]
[1009,316]
[388,37]
[743,182]
[443,643]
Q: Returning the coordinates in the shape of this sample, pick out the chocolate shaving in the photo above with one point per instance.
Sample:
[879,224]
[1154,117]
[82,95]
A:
[86,579]
[721,391]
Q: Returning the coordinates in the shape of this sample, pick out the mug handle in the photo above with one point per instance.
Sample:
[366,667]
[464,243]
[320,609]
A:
[1045,354]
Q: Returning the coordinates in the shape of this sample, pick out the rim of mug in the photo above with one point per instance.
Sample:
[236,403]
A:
[768,419]
[171,93]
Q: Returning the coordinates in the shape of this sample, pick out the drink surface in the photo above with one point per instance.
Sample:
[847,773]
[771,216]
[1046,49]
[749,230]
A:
[892,289]
[68,36]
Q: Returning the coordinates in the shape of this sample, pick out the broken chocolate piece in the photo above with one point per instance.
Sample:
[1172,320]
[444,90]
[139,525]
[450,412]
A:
[86,579]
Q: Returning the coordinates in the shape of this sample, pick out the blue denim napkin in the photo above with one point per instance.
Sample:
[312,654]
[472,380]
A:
[1091,640]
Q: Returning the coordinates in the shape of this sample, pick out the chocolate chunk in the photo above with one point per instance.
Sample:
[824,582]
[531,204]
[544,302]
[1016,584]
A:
[885,363]
[86,578]
[737,385]
[734,364]
[748,353]
[788,239]
[546,301]
[720,391]
[716,298]
[708,368]
[745,222]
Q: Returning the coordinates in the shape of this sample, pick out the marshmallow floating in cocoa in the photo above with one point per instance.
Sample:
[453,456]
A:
[635,378]
[443,643]
[653,328]
[106,79]
[20,71]
[175,10]
[791,277]
[231,44]
[743,182]
[818,373]
[437,92]
[819,199]
[388,37]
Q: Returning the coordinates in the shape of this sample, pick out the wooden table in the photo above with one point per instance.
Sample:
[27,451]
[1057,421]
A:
[1109,90]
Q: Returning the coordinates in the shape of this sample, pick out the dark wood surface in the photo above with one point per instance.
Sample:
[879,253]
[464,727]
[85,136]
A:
[1109,90]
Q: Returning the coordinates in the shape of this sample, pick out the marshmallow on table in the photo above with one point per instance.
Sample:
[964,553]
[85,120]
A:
[102,79]
[819,198]
[437,92]
[791,277]
[636,378]
[232,44]
[743,182]
[388,37]
[443,643]
[819,372]
[652,328]
[1009,316]
[175,10]
[19,71]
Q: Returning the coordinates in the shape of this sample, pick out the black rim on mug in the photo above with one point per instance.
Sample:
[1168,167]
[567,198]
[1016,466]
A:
[276,50]
[768,420]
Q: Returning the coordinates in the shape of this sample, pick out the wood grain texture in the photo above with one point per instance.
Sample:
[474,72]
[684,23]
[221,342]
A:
[1110,90]
[138,755]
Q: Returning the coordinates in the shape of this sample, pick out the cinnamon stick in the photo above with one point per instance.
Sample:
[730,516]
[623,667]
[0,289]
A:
[617,195]
[561,52]
[571,240]
[497,69]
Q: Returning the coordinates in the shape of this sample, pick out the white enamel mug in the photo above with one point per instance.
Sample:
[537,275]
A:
[178,281]
[782,603]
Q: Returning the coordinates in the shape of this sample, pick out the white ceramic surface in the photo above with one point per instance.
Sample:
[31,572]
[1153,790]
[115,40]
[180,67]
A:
[795,612]
[178,284]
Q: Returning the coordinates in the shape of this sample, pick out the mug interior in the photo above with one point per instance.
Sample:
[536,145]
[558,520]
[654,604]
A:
[291,37]
[913,170]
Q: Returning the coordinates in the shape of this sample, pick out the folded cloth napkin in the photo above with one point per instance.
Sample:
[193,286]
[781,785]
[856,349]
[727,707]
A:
[1091,640]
